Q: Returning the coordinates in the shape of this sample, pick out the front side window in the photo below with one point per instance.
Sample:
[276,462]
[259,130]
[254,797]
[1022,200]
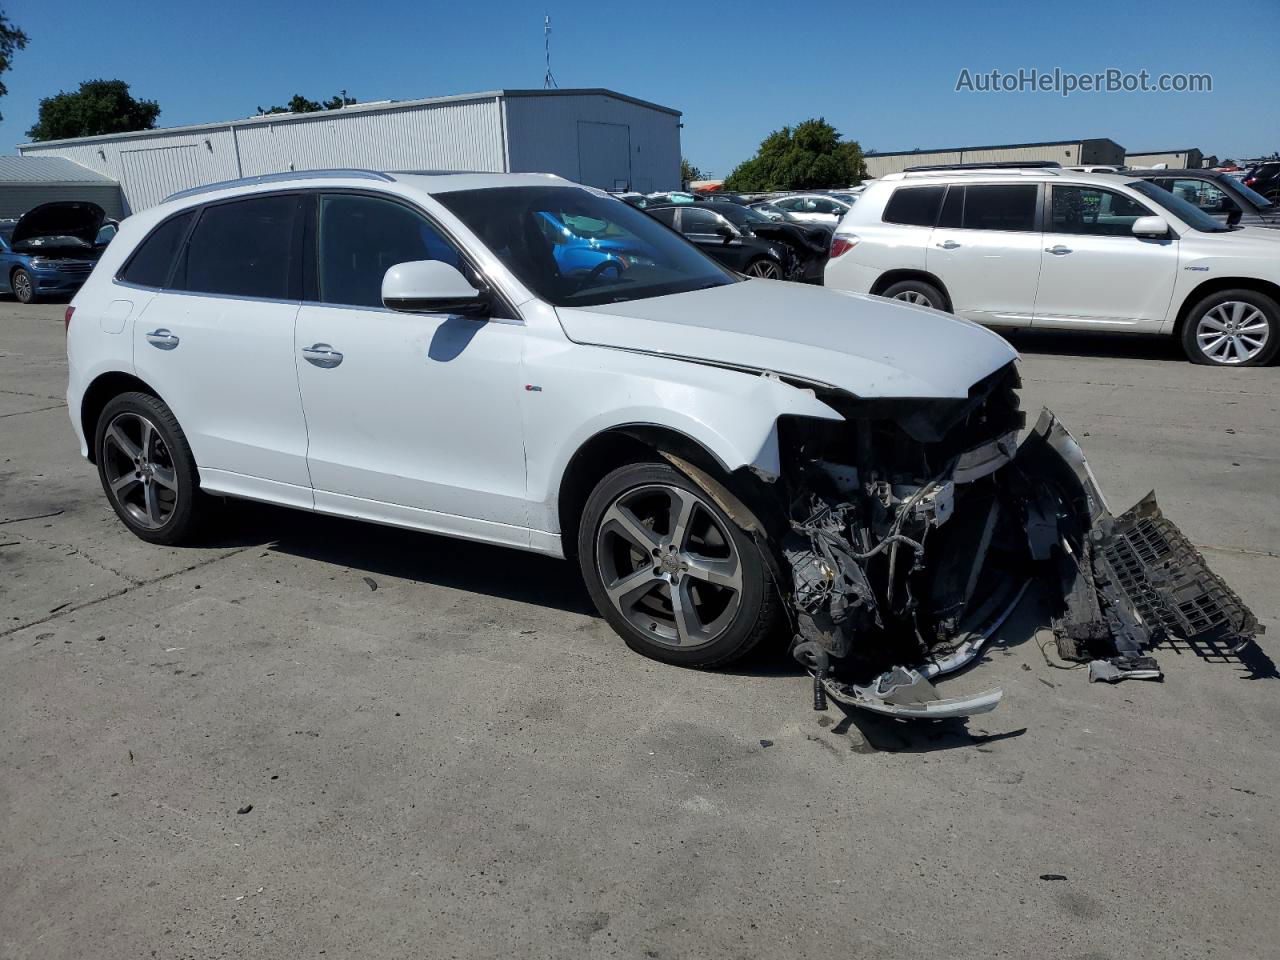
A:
[1193,216]
[152,261]
[693,220]
[360,237]
[1093,212]
[998,206]
[914,206]
[618,253]
[241,249]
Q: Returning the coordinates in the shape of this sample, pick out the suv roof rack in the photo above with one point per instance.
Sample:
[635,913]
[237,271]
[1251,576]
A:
[281,177]
[993,165]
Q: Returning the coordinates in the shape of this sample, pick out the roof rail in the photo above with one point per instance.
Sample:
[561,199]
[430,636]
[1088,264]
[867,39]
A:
[282,177]
[993,165]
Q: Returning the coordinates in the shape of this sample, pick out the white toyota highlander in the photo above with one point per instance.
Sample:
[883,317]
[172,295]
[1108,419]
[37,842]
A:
[520,360]
[1047,248]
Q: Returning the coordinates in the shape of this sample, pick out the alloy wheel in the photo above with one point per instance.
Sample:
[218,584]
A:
[765,269]
[139,470]
[914,296]
[668,565]
[1233,332]
[22,288]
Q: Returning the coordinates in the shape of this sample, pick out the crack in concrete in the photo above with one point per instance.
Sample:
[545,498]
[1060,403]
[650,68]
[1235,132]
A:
[38,396]
[73,549]
[63,611]
[23,413]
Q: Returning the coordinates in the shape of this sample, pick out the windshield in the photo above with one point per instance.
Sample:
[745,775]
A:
[772,211]
[574,248]
[1192,216]
[737,214]
[1257,199]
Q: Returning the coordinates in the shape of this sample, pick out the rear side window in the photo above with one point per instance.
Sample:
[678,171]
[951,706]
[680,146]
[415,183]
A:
[241,249]
[1000,206]
[666,214]
[914,206]
[151,262]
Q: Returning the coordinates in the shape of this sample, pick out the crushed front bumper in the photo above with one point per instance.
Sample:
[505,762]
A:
[1118,586]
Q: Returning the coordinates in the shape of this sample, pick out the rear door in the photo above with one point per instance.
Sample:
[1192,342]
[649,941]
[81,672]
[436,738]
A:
[1095,272]
[986,251]
[217,344]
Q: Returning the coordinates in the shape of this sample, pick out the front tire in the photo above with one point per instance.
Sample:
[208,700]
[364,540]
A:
[673,575]
[765,268]
[24,288]
[918,292]
[1232,328]
[147,470]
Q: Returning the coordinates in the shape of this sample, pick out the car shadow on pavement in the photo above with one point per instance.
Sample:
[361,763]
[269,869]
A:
[407,554]
[1120,346]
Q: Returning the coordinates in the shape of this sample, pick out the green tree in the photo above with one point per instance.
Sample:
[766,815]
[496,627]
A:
[809,156]
[688,172]
[11,41]
[99,106]
[300,104]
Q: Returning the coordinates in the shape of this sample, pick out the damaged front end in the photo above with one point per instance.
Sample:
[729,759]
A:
[914,527]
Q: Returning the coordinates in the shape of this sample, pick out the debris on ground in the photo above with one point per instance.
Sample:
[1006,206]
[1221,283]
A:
[371,583]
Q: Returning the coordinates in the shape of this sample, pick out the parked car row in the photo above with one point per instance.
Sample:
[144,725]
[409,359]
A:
[1059,249]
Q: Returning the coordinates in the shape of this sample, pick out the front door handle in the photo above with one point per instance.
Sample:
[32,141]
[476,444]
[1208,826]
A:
[162,339]
[947,245]
[322,355]
[1058,251]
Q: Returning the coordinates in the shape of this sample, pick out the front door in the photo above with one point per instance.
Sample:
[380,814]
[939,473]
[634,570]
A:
[217,344]
[715,236]
[986,251]
[1095,272]
[412,418]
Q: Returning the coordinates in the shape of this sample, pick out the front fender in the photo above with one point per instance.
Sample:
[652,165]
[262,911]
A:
[585,391]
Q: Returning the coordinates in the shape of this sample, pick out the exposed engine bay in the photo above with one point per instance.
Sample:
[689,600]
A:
[916,526]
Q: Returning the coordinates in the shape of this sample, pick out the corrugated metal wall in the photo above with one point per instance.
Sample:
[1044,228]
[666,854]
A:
[1179,160]
[535,133]
[1065,154]
[17,198]
[454,135]
[543,137]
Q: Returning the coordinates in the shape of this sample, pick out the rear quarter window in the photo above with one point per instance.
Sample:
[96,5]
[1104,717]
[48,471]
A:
[914,206]
[152,261]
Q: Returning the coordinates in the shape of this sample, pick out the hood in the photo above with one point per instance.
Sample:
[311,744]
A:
[78,220]
[817,240]
[865,345]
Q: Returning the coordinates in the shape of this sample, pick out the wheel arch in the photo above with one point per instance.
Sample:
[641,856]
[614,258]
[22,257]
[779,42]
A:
[617,446]
[1216,285]
[99,393]
[890,277]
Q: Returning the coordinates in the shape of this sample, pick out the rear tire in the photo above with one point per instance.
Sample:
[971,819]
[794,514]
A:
[638,559]
[917,292]
[1232,328]
[24,288]
[147,470]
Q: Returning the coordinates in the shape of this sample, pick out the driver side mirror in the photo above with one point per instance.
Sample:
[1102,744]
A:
[726,232]
[429,286]
[1149,227]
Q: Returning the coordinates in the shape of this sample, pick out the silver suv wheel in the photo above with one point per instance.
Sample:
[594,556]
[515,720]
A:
[1233,332]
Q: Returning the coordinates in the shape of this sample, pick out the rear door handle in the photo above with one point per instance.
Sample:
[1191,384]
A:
[1058,251]
[947,245]
[322,355]
[162,339]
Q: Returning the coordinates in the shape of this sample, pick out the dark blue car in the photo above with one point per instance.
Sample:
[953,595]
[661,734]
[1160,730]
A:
[52,249]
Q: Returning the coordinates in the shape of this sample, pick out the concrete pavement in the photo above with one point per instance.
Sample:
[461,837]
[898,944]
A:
[465,762]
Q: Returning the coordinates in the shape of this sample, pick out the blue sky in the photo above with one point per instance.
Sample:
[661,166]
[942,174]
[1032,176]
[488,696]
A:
[883,74]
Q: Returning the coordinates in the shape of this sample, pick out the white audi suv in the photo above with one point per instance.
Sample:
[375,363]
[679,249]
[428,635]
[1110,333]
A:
[524,361]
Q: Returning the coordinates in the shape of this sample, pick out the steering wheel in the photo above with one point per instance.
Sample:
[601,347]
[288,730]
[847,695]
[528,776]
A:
[598,270]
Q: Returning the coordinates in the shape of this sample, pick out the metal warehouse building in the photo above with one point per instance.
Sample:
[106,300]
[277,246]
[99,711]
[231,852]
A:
[1069,153]
[593,136]
[1189,159]
[27,182]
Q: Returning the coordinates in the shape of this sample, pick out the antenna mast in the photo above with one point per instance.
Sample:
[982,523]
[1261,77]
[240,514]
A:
[548,80]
